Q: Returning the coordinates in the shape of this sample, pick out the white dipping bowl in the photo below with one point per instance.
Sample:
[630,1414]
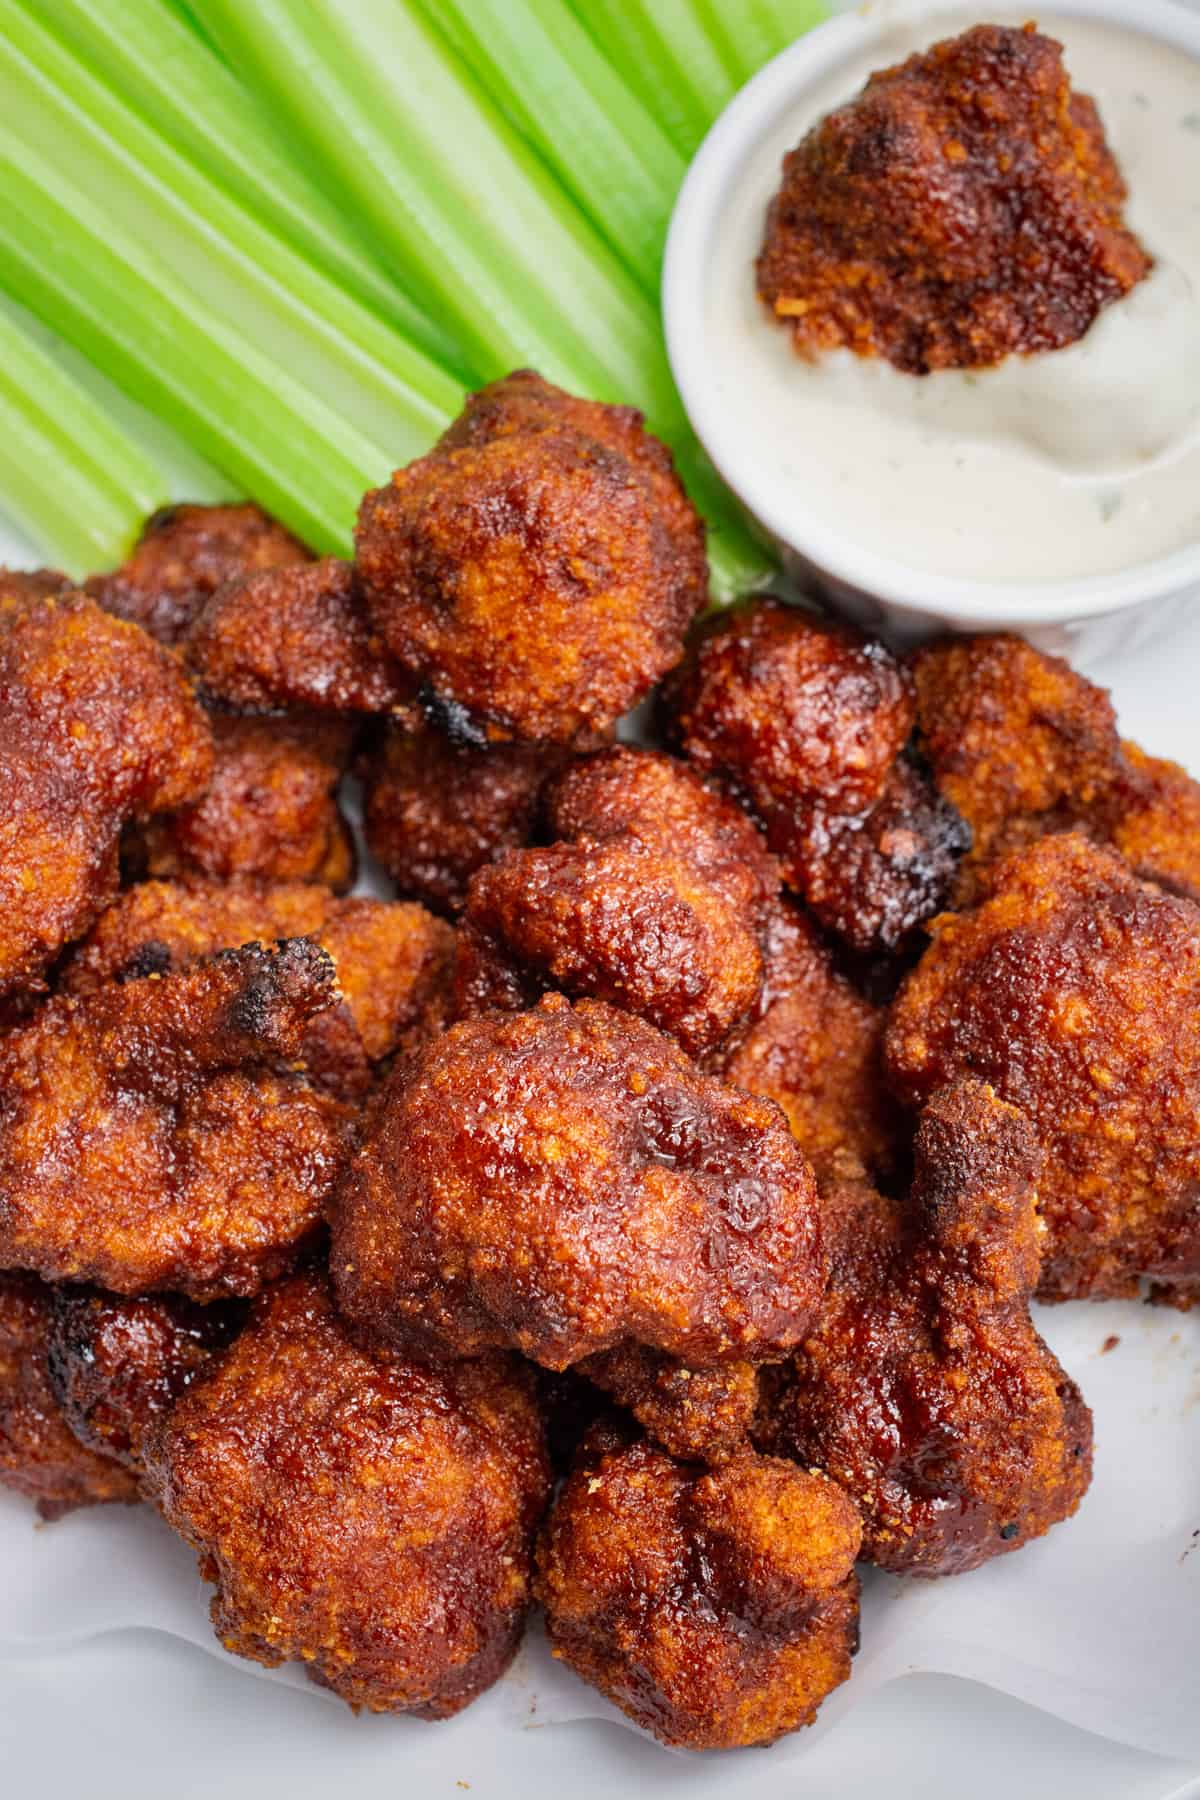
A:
[1089,616]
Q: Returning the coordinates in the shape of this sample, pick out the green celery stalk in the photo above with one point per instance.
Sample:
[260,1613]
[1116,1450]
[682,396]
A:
[217,254]
[751,32]
[157,63]
[565,97]
[466,215]
[122,306]
[75,483]
[669,55]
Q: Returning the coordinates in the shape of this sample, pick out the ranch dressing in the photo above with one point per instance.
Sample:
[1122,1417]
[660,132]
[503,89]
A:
[1073,462]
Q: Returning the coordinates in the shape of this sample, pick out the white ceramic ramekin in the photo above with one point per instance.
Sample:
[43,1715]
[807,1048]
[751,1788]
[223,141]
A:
[1090,616]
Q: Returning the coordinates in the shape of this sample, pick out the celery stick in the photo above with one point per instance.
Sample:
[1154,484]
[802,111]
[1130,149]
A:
[537,60]
[73,481]
[217,253]
[667,53]
[188,475]
[127,309]
[751,32]
[157,64]
[470,220]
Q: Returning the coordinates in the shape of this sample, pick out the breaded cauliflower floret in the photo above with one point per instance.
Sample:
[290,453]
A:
[563,1182]
[97,727]
[654,903]
[808,721]
[40,1457]
[185,554]
[434,812]
[815,1046]
[537,571]
[370,1518]
[925,1391]
[152,1136]
[118,1365]
[270,810]
[394,962]
[965,206]
[294,637]
[1074,990]
[717,1609]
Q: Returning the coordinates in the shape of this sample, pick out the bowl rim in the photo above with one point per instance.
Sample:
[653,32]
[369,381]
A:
[731,138]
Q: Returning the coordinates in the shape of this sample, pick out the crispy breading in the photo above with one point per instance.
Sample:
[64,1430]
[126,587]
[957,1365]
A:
[565,1181]
[294,637]
[702,1415]
[965,206]
[97,727]
[717,1609]
[394,962]
[370,1518]
[152,1138]
[270,810]
[185,554]
[925,1391]
[1074,989]
[434,812]
[118,1365]
[808,721]
[654,903]
[40,1457]
[815,1046]
[537,571]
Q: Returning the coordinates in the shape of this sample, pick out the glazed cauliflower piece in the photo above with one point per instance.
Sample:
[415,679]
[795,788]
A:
[97,727]
[40,1456]
[563,1182]
[185,554]
[717,1609]
[808,721]
[652,900]
[1073,989]
[394,962]
[925,1391]
[369,1517]
[964,207]
[118,1365]
[153,1137]
[535,573]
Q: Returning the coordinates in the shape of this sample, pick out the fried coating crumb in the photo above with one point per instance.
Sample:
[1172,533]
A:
[874,879]
[294,637]
[1073,991]
[370,1518]
[537,571]
[716,1609]
[39,1456]
[808,721]
[270,811]
[701,1415]
[963,208]
[1015,739]
[97,726]
[32,584]
[1154,821]
[147,1142]
[117,1366]
[815,1047]
[926,1392]
[654,904]
[565,1181]
[793,707]
[394,962]
[186,553]
[434,812]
